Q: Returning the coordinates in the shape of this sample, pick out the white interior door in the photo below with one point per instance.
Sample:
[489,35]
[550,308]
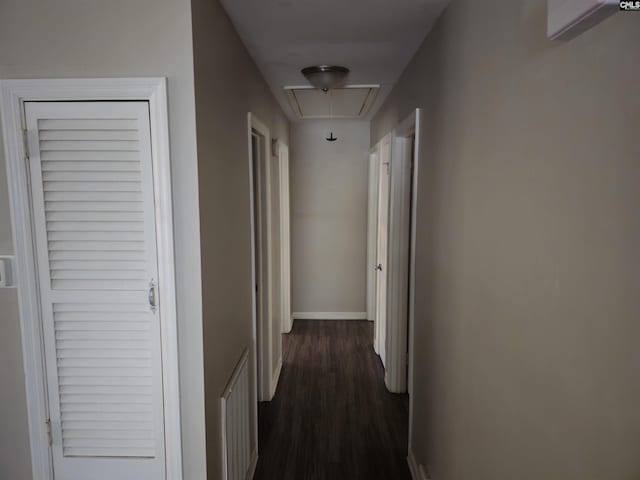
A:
[382,248]
[398,263]
[94,224]
[372,235]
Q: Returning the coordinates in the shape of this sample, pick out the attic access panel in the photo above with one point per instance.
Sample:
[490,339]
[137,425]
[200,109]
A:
[347,102]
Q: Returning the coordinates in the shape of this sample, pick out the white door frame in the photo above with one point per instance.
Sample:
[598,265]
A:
[411,126]
[262,331]
[372,233]
[13,94]
[285,237]
[398,263]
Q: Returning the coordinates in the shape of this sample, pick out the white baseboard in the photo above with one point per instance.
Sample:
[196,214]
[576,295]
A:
[253,465]
[275,378]
[287,328]
[417,471]
[330,315]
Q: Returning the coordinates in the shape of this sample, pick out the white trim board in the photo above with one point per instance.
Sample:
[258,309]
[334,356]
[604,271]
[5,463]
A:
[275,378]
[13,94]
[417,471]
[285,237]
[263,332]
[419,152]
[224,398]
[402,244]
[329,315]
[254,330]
[398,263]
[395,373]
[372,232]
[253,464]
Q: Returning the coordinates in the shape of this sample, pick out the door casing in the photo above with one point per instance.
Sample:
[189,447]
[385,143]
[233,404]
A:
[262,324]
[411,126]
[13,94]
[382,246]
[372,234]
[400,263]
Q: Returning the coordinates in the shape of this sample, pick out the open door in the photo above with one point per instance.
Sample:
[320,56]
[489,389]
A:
[401,257]
[384,170]
[372,234]
[259,150]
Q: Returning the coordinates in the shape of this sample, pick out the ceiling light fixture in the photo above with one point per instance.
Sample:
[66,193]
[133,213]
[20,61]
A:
[325,77]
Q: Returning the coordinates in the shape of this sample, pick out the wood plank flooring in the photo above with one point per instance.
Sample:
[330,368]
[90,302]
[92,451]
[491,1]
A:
[332,417]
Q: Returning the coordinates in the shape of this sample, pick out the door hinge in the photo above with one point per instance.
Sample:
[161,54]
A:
[25,140]
[47,423]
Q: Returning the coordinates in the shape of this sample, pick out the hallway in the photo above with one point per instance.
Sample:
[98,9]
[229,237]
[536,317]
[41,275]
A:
[331,417]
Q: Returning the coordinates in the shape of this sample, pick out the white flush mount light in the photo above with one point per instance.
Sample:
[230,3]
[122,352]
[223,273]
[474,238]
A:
[325,77]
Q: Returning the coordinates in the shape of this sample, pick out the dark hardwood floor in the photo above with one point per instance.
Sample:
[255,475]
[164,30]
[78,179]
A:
[332,417]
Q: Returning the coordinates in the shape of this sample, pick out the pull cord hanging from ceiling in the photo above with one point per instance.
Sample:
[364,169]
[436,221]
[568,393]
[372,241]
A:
[331,137]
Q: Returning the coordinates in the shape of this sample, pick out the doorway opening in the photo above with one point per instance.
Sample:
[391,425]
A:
[269,191]
[382,248]
[260,177]
[393,192]
[331,373]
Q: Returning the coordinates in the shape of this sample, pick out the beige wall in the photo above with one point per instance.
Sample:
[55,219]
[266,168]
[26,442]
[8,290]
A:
[527,275]
[117,38]
[329,193]
[15,460]
[228,85]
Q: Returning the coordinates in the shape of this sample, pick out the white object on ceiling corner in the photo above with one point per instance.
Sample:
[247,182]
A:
[569,18]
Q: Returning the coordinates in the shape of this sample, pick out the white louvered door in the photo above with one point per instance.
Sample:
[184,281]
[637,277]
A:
[94,222]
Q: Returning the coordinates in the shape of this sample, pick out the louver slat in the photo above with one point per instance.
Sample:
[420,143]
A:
[95,234]
[69,134]
[89,347]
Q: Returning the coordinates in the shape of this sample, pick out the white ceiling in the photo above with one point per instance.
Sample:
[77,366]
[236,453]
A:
[374,38]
